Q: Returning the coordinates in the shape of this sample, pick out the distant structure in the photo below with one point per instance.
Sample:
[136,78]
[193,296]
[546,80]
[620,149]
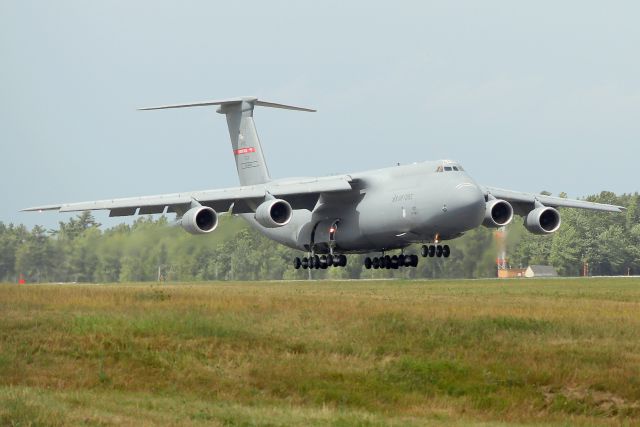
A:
[502,262]
[505,271]
[511,273]
[585,269]
[540,271]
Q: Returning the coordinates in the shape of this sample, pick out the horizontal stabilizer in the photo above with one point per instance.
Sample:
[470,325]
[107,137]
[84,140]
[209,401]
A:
[249,99]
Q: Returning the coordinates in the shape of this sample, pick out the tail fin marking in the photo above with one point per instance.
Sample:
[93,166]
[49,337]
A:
[247,150]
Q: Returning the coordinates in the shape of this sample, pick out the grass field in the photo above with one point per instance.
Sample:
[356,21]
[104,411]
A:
[542,352]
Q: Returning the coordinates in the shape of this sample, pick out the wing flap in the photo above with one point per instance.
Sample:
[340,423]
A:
[150,210]
[122,212]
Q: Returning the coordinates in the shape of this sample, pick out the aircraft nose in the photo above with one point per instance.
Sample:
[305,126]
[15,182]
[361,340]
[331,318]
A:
[466,205]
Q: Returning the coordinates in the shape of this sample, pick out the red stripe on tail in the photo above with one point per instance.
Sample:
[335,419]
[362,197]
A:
[246,150]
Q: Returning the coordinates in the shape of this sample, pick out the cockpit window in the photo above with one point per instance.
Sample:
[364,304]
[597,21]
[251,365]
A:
[450,168]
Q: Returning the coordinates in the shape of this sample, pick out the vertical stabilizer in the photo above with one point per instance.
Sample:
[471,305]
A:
[247,150]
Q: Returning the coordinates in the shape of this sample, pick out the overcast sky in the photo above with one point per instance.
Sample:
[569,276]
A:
[528,96]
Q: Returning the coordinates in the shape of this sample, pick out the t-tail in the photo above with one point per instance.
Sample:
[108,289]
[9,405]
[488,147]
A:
[247,150]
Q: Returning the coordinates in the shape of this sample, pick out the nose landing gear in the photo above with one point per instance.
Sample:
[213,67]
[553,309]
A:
[435,251]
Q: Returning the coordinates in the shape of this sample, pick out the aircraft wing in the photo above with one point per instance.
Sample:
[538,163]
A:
[523,203]
[302,193]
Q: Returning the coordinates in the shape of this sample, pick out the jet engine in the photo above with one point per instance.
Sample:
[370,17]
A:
[199,220]
[542,220]
[274,213]
[498,213]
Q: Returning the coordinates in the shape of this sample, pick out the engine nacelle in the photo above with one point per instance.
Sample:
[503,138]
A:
[542,220]
[199,220]
[274,213]
[498,214]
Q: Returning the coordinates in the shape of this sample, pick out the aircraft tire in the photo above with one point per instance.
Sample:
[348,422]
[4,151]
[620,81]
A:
[330,261]
[446,251]
[343,260]
[375,263]
[432,251]
[414,260]
[402,259]
[297,263]
[406,260]
[316,262]
[424,251]
[305,263]
[394,262]
[367,263]
[439,251]
[323,262]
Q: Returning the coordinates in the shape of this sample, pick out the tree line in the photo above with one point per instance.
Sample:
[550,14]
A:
[150,249]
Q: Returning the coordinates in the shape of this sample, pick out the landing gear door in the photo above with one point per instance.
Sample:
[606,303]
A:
[324,235]
[325,231]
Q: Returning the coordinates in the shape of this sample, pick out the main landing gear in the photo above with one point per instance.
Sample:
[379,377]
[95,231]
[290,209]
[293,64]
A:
[322,261]
[391,262]
[435,251]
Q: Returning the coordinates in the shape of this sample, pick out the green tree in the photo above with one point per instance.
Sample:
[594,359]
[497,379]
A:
[82,257]
[36,258]
[11,238]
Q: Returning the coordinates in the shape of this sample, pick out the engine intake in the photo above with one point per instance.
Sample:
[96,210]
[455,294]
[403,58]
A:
[498,214]
[542,220]
[274,213]
[199,220]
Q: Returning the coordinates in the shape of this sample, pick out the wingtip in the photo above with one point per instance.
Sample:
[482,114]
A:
[41,208]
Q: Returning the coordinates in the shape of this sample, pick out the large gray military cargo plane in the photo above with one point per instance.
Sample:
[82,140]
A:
[374,211]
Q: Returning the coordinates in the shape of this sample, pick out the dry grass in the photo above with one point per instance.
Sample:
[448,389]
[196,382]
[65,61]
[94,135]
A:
[548,352]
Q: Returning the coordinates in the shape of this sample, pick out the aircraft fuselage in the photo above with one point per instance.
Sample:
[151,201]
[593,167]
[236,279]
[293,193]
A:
[388,209]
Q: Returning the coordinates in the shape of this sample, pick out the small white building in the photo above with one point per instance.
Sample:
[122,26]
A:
[540,271]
